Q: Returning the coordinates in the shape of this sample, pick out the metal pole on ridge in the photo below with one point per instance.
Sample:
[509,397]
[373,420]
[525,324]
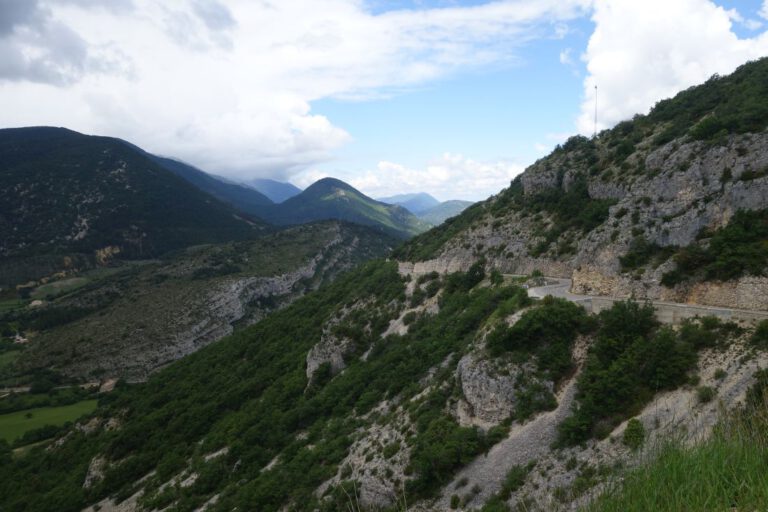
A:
[595,135]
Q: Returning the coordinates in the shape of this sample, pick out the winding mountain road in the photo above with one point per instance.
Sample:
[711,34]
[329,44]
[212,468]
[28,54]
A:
[667,312]
[557,287]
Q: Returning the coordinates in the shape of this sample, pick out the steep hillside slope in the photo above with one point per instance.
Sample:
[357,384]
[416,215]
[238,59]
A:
[330,198]
[142,317]
[242,198]
[277,191]
[384,388]
[71,199]
[647,209]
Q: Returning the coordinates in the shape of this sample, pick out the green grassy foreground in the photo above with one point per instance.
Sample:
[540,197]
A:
[15,424]
[725,473]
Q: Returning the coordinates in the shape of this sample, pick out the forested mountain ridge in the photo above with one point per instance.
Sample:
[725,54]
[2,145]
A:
[444,211]
[71,199]
[330,198]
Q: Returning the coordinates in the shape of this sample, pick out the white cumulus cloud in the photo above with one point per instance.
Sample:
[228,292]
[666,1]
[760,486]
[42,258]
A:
[642,52]
[451,176]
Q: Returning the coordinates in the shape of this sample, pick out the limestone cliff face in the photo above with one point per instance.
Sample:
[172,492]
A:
[490,390]
[667,195]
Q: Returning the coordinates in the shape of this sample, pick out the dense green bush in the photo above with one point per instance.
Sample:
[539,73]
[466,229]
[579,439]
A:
[641,252]
[731,104]
[182,413]
[634,434]
[735,250]
[631,359]
[705,394]
[573,209]
[547,332]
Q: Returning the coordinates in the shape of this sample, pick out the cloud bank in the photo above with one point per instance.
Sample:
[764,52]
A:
[227,85]
[452,176]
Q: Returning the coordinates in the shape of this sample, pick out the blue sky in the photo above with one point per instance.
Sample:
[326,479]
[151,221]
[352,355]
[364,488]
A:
[499,113]
[451,97]
[515,112]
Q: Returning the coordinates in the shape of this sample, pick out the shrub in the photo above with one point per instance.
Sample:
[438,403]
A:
[705,394]
[391,449]
[514,480]
[759,338]
[410,317]
[634,434]
[641,252]
[725,472]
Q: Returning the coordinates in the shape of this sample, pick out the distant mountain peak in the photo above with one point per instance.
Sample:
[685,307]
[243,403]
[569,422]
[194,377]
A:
[277,191]
[331,183]
[331,198]
[416,203]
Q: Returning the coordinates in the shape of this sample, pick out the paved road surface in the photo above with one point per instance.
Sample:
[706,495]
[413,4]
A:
[557,288]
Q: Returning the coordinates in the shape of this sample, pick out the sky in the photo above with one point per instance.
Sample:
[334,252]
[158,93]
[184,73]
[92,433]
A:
[450,97]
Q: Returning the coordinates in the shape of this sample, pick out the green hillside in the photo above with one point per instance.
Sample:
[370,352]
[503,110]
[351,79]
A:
[127,321]
[68,195]
[444,211]
[330,198]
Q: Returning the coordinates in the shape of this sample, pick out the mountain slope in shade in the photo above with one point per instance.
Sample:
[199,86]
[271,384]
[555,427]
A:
[277,191]
[330,198]
[243,198]
[221,286]
[416,203]
[443,211]
[70,199]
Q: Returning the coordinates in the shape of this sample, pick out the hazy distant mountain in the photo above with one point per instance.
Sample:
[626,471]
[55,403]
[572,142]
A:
[426,207]
[69,198]
[415,203]
[245,199]
[277,191]
[443,211]
[330,198]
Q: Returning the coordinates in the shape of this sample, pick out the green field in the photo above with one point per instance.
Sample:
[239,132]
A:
[15,424]
[58,287]
[8,305]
